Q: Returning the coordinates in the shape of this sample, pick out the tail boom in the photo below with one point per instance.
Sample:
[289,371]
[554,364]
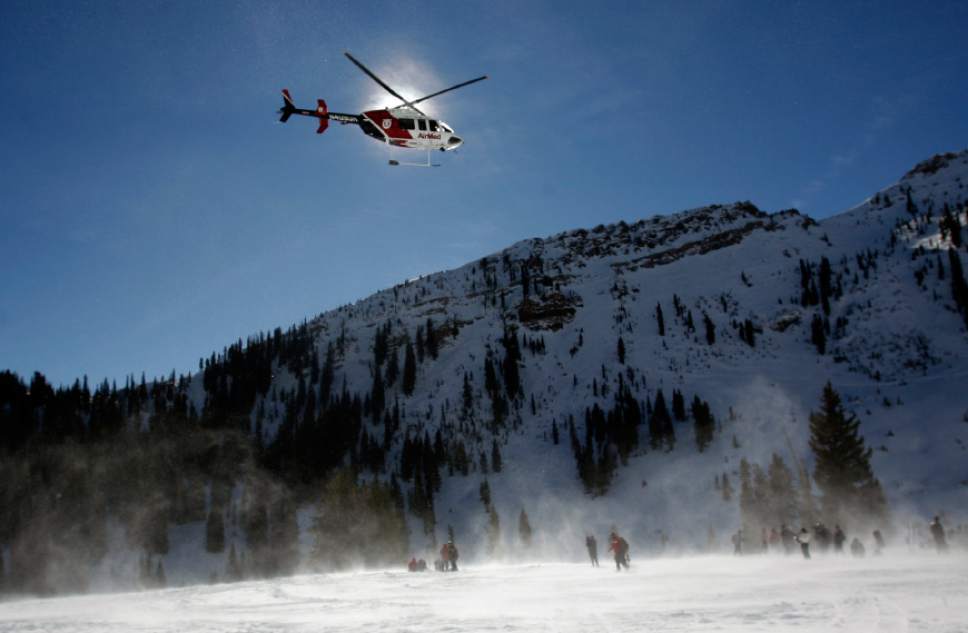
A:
[321,112]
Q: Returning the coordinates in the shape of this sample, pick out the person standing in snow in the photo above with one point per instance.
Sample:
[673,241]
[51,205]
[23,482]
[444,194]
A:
[592,545]
[445,557]
[878,542]
[452,555]
[937,532]
[774,540]
[803,538]
[839,538]
[788,538]
[738,543]
[620,549]
[857,548]
[822,534]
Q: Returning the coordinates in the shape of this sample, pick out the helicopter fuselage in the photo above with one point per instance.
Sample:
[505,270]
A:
[404,127]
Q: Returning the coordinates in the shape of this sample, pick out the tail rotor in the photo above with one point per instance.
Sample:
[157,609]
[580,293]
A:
[288,107]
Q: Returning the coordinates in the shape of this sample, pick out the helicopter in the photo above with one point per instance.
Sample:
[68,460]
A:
[403,125]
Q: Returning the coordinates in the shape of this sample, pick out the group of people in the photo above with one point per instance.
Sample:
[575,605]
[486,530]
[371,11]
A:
[617,545]
[417,565]
[447,561]
[823,539]
[775,540]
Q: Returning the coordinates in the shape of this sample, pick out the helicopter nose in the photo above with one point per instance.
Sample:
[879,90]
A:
[454,142]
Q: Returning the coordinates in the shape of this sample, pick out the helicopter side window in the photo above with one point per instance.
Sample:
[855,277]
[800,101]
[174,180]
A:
[433,125]
[422,125]
[406,124]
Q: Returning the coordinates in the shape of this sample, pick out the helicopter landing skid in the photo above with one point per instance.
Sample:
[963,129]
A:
[396,163]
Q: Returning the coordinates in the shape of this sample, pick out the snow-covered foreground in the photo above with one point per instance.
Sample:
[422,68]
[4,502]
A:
[896,593]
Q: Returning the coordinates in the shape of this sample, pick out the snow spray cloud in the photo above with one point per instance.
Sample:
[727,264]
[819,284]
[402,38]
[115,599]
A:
[662,502]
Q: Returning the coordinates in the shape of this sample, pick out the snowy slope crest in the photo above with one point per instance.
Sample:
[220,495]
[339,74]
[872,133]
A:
[894,347]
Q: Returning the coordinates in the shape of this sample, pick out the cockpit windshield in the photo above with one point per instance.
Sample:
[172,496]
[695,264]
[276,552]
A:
[445,127]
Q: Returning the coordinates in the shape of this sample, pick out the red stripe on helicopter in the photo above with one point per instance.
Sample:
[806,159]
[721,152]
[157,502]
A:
[388,124]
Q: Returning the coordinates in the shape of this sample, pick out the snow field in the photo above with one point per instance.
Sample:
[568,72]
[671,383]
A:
[723,593]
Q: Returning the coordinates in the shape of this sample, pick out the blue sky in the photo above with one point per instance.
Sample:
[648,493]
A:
[152,209]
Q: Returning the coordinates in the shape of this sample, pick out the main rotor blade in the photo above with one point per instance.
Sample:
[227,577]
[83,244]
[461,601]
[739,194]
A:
[440,92]
[374,77]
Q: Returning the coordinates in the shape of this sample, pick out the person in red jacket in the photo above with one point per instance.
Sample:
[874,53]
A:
[445,557]
[620,549]
[412,565]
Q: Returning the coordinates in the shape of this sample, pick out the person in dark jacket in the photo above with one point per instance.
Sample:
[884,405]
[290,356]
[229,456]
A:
[878,542]
[839,538]
[822,535]
[789,539]
[592,545]
[857,548]
[803,538]
[452,555]
[937,532]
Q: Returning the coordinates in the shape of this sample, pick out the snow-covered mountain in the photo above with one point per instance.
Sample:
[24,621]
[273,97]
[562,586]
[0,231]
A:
[892,336]
[747,312]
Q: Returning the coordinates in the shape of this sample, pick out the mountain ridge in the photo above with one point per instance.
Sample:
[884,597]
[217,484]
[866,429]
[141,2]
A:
[618,375]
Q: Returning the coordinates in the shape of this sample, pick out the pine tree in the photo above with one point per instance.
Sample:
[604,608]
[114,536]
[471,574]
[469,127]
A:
[496,463]
[157,532]
[233,571]
[761,499]
[160,580]
[393,367]
[284,537]
[326,376]
[409,379]
[749,334]
[214,532]
[621,351]
[678,405]
[704,423]
[710,329]
[727,488]
[817,335]
[661,431]
[842,463]
[959,288]
[783,497]
[524,528]
[484,491]
[493,530]
[467,398]
[825,275]
[806,503]
[747,503]
[431,342]
[420,344]
[377,395]
[659,320]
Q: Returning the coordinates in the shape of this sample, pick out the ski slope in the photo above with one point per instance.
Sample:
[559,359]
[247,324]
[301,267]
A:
[909,592]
